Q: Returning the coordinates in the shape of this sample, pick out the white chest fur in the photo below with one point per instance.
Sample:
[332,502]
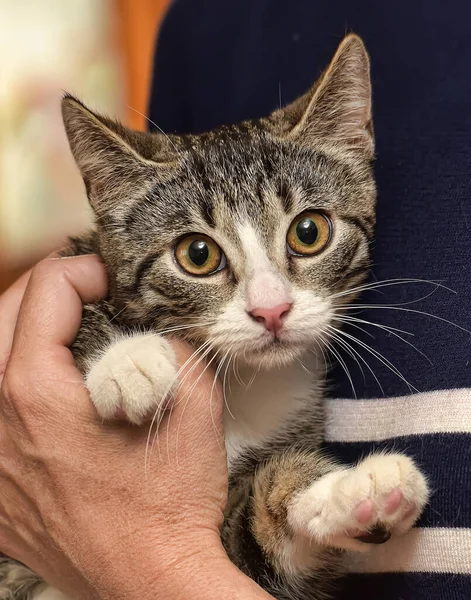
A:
[264,404]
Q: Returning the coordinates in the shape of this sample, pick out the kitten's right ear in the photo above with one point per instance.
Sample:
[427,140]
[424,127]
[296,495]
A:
[114,161]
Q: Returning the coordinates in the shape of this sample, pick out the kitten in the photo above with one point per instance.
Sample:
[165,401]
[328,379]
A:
[245,242]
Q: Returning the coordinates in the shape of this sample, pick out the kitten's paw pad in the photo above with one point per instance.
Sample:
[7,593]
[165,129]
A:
[133,379]
[352,508]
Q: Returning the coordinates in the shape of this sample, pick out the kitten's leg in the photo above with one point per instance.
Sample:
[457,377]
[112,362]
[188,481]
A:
[127,374]
[257,533]
[383,495]
[300,506]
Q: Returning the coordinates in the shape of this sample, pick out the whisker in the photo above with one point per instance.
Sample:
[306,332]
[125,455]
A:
[216,375]
[117,314]
[226,403]
[188,394]
[252,379]
[343,365]
[324,357]
[156,126]
[377,355]
[341,319]
[411,310]
[364,361]
[390,330]
[160,413]
[209,350]
[387,328]
[183,327]
[235,368]
[304,367]
[347,348]
[390,282]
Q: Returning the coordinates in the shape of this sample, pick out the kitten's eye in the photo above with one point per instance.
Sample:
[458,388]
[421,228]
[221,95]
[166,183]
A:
[199,255]
[309,233]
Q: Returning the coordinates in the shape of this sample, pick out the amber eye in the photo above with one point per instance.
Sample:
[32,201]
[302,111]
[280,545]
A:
[199,255]
[309,233]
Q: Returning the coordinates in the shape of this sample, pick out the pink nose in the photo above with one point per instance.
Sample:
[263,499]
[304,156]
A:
[271,317]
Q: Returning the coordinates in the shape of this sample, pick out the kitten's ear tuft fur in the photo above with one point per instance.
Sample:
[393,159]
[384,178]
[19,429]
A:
[336,112]
[111,158]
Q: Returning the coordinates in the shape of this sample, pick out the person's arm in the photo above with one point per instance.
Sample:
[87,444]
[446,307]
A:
[97,509]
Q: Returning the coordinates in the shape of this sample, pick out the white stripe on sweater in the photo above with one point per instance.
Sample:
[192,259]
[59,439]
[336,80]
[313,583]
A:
[438,550]
[444,411]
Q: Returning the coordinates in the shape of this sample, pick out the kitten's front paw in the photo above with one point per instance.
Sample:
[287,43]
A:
[133,378]
[353,508]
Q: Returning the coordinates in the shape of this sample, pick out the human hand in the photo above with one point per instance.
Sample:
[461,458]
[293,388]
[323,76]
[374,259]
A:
[80,504]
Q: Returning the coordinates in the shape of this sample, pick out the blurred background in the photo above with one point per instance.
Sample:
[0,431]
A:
[99,50]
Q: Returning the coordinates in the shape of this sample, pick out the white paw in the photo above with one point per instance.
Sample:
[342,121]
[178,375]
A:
[383,495]
[134,378]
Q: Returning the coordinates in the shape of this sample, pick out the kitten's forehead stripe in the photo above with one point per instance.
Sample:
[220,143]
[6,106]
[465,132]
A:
[285,194]
[255,254]
[201,171]
[207,212]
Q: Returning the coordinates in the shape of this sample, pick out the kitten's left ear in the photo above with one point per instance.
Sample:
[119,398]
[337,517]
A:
[336,112]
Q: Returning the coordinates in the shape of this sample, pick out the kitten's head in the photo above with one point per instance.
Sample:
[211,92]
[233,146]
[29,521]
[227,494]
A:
[247,237]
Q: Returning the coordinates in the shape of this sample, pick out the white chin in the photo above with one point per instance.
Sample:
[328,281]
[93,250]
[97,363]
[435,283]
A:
[272,356]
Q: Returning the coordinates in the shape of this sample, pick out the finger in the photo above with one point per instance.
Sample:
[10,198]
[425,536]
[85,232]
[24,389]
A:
[51,309]
[10,302]
[41,372]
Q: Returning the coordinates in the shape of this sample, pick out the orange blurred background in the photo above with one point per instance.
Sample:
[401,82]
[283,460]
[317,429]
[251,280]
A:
[138,25]
[117,75]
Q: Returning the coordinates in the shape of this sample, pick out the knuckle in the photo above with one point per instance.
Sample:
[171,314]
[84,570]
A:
[23,409]
[18,390]
[9,392]
[13,383]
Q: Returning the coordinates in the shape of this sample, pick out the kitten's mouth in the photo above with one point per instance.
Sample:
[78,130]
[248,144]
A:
[273,353]
[274,342]
[277,342]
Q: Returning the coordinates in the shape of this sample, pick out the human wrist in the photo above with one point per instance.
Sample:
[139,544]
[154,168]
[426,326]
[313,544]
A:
[211,578]
[198,570]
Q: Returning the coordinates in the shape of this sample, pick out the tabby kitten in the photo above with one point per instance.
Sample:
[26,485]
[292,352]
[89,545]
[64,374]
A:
[244,241]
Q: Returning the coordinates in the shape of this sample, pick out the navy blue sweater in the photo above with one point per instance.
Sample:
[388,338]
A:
[221,61]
